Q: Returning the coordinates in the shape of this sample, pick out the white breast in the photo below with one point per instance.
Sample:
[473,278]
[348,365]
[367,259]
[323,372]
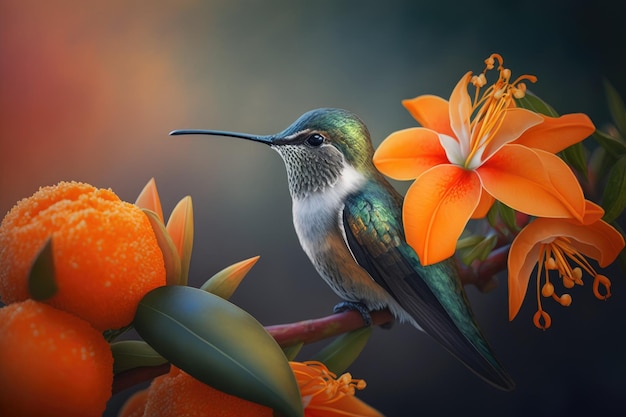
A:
[316,213]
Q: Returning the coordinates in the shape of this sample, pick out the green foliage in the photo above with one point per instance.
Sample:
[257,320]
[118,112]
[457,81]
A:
[41,278]
[219,344]
[341,352]
[226,281]
[614,197]
[129,354]
[616,107]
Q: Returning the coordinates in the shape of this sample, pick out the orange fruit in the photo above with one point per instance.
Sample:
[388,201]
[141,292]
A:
[179,394]
[53,363]
[105,252]
[134,405]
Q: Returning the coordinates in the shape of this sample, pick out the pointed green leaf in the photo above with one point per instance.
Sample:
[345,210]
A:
[468,241]
[616,107]
[170,255]
[225,282]
[339,354]
[621,258]
[41,279]
[575,156]
[292,351]
[614,146]
[479,251]
[219,344]
[534,103]
[614,197]
[129,354]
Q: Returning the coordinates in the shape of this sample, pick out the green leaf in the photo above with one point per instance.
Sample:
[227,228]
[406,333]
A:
[534,103]
[614,197]
[170,254]
[614,146]
[479,251]
[621,258]
[225,282]
[576,157]
[129,354]
[341,352]
[41,278]
[292,351]
[500,211]
[616,107]
[219,344]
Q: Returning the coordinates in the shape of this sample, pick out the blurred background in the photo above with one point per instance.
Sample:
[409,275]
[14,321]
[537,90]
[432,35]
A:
[90,90]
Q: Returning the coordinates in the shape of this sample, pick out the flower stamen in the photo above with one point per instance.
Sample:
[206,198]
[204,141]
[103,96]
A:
[489,109]
[556,255]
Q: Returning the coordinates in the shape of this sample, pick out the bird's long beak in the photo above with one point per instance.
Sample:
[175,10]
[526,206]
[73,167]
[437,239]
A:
[267,139]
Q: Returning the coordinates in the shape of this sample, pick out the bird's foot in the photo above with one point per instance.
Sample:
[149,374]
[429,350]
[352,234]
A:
[355,306]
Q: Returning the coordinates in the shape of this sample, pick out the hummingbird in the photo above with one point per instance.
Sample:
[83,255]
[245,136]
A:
[348,219]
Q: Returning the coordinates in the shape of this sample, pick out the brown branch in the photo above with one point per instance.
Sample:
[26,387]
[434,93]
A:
[307,331]
[482,273]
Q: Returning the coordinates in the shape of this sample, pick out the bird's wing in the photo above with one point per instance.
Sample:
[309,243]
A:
[432,295]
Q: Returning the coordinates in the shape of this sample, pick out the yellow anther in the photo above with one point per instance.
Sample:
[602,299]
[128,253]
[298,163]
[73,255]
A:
[550,263]
[489,62]
[479,80]
[565,300]
[506,74]
[547,290]
[568,282]
[577,274]
[519,91]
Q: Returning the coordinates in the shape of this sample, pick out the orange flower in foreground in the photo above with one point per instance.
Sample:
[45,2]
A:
[53,363]
[105,252]
[325,395]
[470,152]
[135,405]
[179,394]
[556,245]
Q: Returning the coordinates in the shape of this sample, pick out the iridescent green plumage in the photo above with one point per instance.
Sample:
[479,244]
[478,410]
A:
[349,222]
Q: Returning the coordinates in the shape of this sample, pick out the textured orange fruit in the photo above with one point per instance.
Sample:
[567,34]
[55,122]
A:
[105,253]
[134,405]
[179,394]
[53,363]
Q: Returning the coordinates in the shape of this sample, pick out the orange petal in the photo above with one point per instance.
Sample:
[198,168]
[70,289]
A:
[515,123]
[593,212]
[346,406]
[149,199]
[485,203]
[405,154]
[557,133]
[599,241]
[516,175]
[460,111]
[431,112]
[436,209]
[564,180]
[523,257]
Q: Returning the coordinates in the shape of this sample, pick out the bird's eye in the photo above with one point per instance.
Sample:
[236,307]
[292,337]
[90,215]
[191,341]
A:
[315,140]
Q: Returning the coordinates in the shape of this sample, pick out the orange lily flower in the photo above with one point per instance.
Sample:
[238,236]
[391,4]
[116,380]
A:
[469,152]
[556,244]
[325,395]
